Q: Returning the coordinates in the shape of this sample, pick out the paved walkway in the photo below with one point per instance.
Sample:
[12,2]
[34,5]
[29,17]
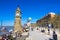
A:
[36,35]
[21,38]
[24,35]
[51,32]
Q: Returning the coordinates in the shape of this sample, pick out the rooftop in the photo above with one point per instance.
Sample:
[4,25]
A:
[52,13]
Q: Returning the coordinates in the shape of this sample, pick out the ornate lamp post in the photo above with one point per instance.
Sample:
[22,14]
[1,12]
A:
[28,22]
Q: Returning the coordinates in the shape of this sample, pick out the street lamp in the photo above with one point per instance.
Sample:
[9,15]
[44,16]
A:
[28,22]
[29,18]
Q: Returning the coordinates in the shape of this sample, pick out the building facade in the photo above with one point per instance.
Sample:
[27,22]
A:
[50,18]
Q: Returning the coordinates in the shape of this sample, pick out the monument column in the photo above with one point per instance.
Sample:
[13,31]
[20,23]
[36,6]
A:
[17,23]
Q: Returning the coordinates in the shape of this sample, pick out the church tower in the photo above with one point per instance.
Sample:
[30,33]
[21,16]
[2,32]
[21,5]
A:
[17,23]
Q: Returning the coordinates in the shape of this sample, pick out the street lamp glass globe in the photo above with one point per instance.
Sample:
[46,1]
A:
[29,18]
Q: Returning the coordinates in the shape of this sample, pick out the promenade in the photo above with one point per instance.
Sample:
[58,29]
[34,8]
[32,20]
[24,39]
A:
[38,35]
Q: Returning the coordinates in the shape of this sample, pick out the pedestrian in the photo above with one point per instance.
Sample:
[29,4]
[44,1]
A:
[37,28]
[48,31]
[49,26]
[32,29]
[54,36]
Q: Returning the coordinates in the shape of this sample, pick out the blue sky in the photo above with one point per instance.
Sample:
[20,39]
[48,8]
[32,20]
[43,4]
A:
[35,9]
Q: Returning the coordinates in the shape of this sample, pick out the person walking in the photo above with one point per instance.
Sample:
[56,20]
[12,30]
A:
[54,35]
